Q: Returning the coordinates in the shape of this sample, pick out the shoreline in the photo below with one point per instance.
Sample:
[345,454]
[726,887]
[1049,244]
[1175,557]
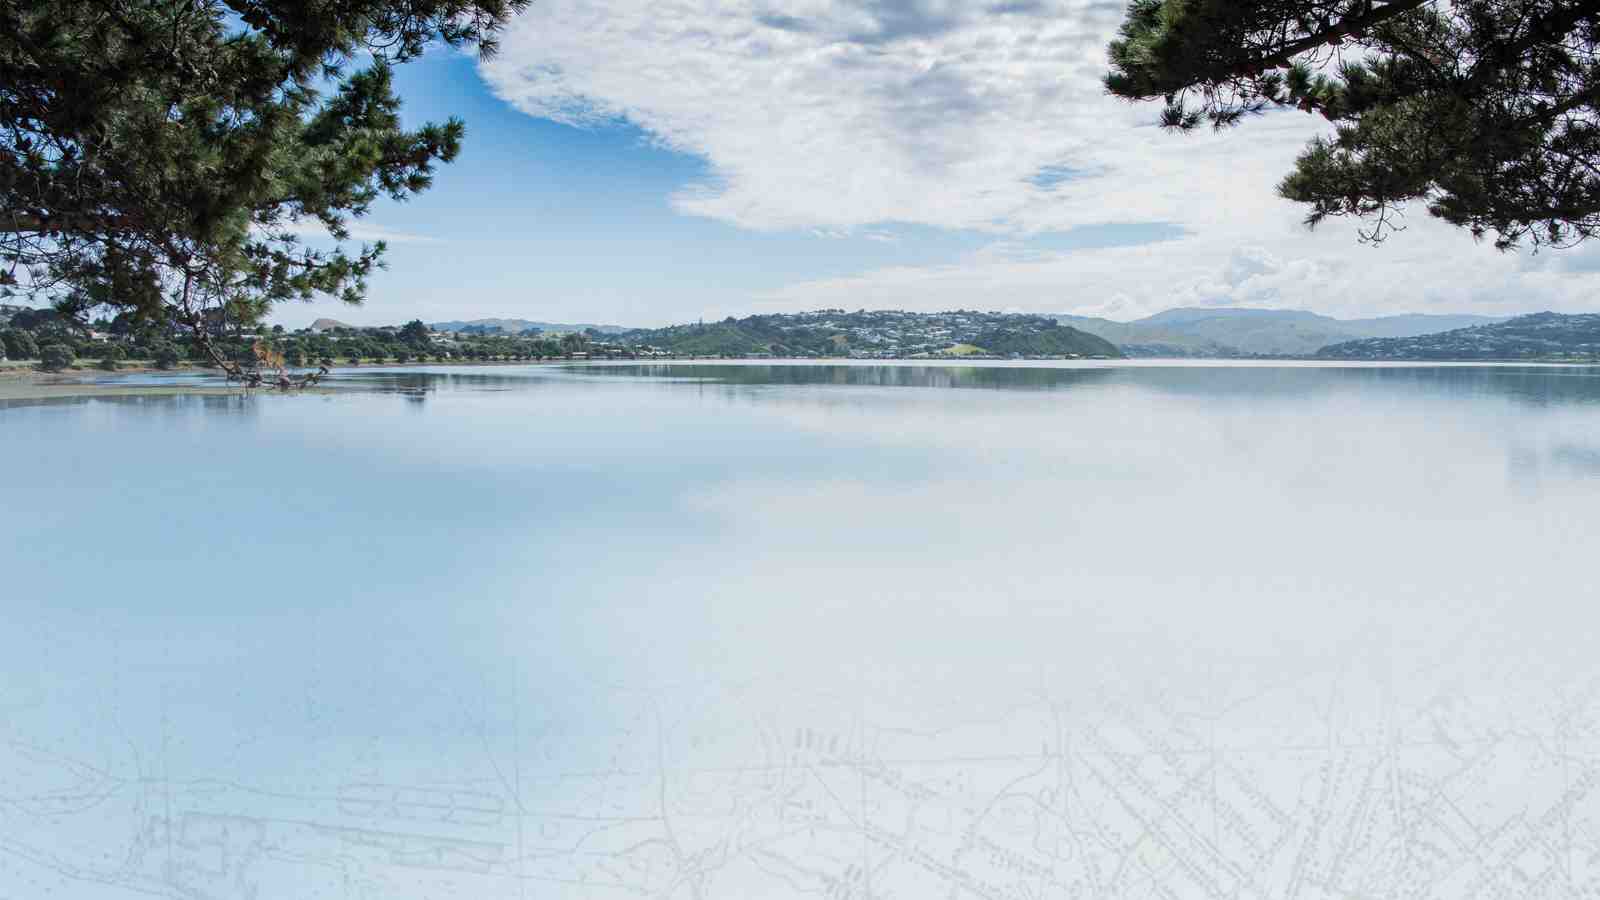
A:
[25,382]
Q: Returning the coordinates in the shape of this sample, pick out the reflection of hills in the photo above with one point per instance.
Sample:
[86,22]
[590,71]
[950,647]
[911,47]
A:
[990,377]
[1529,384]
[234,403]
[1537,385]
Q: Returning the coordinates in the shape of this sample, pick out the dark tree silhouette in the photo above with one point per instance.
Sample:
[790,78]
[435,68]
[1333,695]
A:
[1484,110]
[160,157]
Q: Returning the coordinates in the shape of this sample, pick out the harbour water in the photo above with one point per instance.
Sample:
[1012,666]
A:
[771,631]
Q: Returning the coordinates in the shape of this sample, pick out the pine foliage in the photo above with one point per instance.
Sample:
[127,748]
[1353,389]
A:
[161,158]
[1487,111]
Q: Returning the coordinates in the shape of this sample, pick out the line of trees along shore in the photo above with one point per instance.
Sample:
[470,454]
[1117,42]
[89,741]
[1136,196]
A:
[56,342]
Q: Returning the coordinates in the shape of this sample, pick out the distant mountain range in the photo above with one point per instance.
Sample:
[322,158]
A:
[1230,332]
[518,326]
[1546,335]
[1185,332]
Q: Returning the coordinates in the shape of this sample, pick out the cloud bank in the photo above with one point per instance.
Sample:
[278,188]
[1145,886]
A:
[848,117]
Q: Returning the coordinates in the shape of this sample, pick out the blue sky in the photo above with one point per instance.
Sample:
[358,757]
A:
[640,165]
[558,222]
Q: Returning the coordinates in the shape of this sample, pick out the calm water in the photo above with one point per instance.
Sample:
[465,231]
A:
[717,631]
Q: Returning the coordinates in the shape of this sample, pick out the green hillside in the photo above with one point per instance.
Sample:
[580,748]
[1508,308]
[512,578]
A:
[1228,332]
[879,335]
[1541,336]
[1054,340]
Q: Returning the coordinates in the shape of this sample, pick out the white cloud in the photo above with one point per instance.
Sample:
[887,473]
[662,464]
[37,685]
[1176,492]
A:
[840,117]
[1430,269]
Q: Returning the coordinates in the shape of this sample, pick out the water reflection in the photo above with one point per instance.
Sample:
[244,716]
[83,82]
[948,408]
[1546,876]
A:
[949,376]
[160,402]
[784,631]
[1537,384]
[1532,384]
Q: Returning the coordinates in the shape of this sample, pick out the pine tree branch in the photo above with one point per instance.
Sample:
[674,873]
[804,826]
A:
[1285,55]
[1562,21]
[80,223]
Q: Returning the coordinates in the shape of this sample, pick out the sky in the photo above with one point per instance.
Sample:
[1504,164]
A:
[645,164]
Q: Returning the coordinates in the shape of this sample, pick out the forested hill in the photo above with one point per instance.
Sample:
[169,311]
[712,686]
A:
[520,326]
[1232,332]
[876,335]
[1541,336]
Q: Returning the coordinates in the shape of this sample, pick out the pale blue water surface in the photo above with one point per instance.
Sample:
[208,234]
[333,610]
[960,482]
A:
[832,631]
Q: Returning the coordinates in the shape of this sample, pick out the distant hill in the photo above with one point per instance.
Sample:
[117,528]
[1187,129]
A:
[716,339]
[879,334]
[1225,332]
[328,325]
[1062,340]
[1541,336]
[1413,325]
[518,326]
